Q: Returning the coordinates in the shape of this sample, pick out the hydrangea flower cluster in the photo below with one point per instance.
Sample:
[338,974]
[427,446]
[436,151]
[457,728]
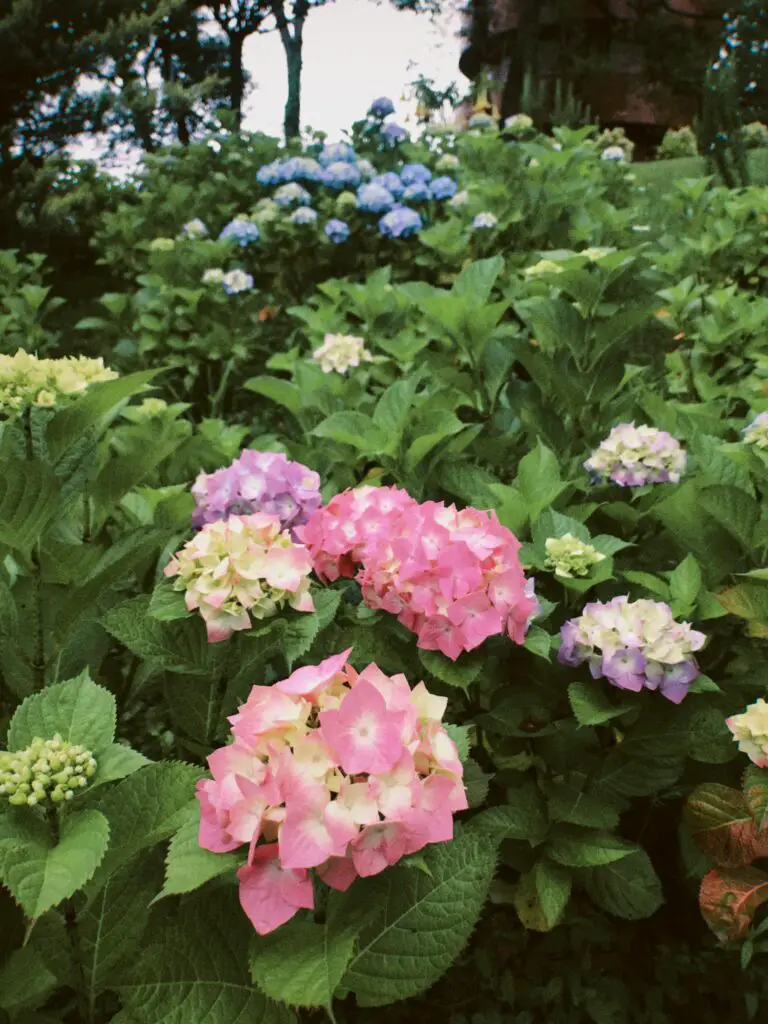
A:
[337,231]
[635,645]
[242,231]
[391,181]
[411,174]
[750,730]
[339,352]
[213,275]
[442,188]
[393,133]
[337,152]
[47,770]
[374,198]
[484,221]
[452,577]
[257,482]
[236,281]
[330,770]
[447,162]
[26,380]
[400,223]
[195,228]
[632,456]
[295,168]
[756,432]
[570,557]
[242,567]
[291,193]
[303,215]
[162,244]
[381,107]
[614,154]
[341,175]
[518,124]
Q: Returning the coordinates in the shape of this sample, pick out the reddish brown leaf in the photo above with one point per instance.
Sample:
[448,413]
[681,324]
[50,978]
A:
[729,899]
[755,789]
[720,821]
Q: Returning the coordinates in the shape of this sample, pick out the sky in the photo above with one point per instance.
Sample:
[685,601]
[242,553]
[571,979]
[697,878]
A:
[354,51]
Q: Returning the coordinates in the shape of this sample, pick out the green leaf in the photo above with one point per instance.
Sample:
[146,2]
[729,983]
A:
[697,534]
[711,740]
[188,865]
[538,642]
[121,473]
[167,604]
[748,600]
[590,704]
[353,428]
[30,497]
[117,761]
[542,896]
[755,790]
[393,411]
[424,921]
[734,510]
[79,710]
[538,480]
[523,817]
[460,673]
[628,888]
[584,848]
[685,582]
[25,980]
[594,810]
[720,820]
[281,391]
[303,627]
[195,970]
[554,323]
[475,282]
[146,808]
[41,873]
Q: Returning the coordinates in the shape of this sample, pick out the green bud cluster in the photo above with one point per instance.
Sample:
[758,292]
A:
[47,770]
[570,557]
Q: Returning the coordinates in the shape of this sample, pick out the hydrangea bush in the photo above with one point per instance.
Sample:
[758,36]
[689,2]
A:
[451,702]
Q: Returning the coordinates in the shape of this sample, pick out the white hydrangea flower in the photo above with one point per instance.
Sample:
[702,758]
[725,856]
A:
[214,275]
[339,352]
[615,154]
[750,730]
[518,123]
[756,432]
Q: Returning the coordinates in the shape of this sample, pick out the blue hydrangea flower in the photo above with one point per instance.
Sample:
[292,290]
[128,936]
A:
[400,223]
[374,198]
[303,215]
[336,152]
[242,231]
[393,133]
[391,182]
[485,220]
[366,168]
[382,107]
[443,188]
[417,192]
[236,281]
[341,175]
[292,193]
[337,231]
[410,174]
[301,168]
[270,174]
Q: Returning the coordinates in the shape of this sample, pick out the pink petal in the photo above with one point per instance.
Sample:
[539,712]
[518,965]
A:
[312,678]
[270,895]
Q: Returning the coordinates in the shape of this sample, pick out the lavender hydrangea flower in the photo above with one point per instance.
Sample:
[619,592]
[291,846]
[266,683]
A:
[443,187]
[270,174]
[300,168]
[412,173]
[391,182]
[337,152]
[236,281]
[382,107]
[400,223]
[257,482]
[241,231]
[632,456]
[485,221]
[291,193]
[635,645]
[340,175]
[366,168]
[337,231]
[303,215]
[374,198]
[417,192]
[393,133]
[756,432]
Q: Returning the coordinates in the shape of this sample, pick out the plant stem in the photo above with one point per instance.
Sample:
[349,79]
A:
[85,1007]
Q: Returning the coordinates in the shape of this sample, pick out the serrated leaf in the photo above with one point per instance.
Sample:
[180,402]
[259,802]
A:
[146,808]
[424,922]
[538,480]
[685,582]
[628,888]
[734,510]
[710,738]
[25,980]
[729,899]
[755,791]
[188,865]
[117,762]
[523,817]
[302,628]
[352,428]
[167,604]
[460,673]
[538,642]
[543,895]
[476,782]
[30,497]
[748,600]
[393,410]
[78,709]
[590,704]
[585,848]
[40,872]
[720,820]
[195,969]
[570,804]
[281,391]
[475,281]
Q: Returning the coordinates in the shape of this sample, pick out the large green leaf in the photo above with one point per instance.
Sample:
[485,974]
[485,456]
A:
[576,847]
[424,921]
[721,822]
[25,980]
[195,970]
[40,872]
[734,510]
[188,865]
[729,898]
[523,817]
[30,497]
[78,709]
[538,480]
[394,410]
[628,888]
[475,282]
[755,790]
[591,705]
[355,429]
[542,895]
[278,390]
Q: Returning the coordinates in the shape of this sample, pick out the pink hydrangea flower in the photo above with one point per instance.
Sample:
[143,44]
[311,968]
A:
[329,770]
[451,576]
[243,568]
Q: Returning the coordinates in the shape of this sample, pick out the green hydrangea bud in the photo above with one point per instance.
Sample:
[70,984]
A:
[345,202]
[570,557]
[47,770]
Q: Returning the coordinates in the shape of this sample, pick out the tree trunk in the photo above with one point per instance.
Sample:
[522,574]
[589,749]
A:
[523,56]
[236,75]
[292,118]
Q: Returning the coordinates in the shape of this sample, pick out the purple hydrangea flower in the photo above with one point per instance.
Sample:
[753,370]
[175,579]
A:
[337,152]
[337,231]
[635,645]
[374,198]
[241,231]
[393,133]
[412,173]
[632,456]
[303,215]
[417,192]
[382,107]
[300,168]
[270,174]
[391,182]
[400,223]
[443,187]
[257,482]
[341,175]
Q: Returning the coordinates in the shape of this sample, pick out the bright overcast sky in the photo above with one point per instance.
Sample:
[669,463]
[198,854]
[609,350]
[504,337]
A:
[354,50]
